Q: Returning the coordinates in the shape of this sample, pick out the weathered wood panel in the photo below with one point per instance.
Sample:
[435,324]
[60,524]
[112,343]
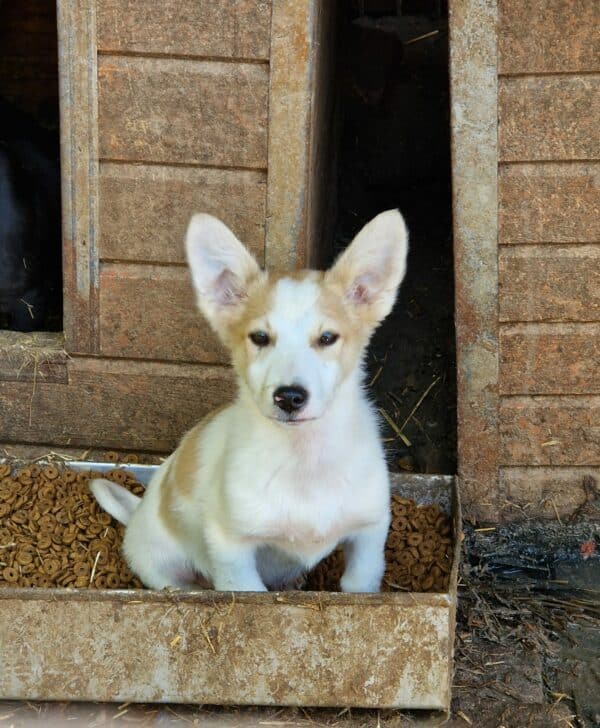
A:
[184,112]
[549,118]
[389,650]
[149,312]
[235,29]
[290,95]
[33,356]
[542,492]
[547,36]
[144,210]
[549,203]
[30,452]
[473,61]
[79,172]
[549,359]
[550,431]
[139,406]
[549,283]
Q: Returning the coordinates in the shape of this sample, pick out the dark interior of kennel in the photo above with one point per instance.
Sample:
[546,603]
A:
[394,151]
[30,229]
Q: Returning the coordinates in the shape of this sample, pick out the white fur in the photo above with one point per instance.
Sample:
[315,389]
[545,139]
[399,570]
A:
[272,493]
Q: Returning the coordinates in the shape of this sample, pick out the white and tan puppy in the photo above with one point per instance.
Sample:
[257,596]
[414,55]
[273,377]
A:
[262,490]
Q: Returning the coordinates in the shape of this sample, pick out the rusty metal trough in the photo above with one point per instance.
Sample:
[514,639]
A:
[286,648]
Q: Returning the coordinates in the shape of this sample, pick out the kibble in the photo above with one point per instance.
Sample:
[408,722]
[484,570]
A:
[418,552]
[52,531]
[54,534]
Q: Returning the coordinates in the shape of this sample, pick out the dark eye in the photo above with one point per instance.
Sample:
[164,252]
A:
[328,338]
[260,338]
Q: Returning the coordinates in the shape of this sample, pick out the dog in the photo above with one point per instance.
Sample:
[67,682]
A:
[263,489]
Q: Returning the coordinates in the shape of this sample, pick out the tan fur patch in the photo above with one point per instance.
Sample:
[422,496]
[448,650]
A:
[354,335]
[258,303]
[181,475]
[354,323]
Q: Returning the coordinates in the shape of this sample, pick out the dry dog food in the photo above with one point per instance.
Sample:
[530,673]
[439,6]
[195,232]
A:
[418,552]
[54,534]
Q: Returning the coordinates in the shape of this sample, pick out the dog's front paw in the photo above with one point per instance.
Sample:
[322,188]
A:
[353,583]
[242,585]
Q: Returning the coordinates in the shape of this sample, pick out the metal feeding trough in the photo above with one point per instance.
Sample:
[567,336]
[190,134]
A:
[284,648]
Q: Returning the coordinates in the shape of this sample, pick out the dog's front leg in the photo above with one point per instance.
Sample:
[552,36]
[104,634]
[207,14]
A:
[234,565]
[365,559]
[236,571]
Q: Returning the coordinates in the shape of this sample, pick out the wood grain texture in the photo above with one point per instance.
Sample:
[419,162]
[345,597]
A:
[183,112]
[79,172]
[549,118]
[549,283]
[550,431]
[549,358]
[301,102]
[473,75]
[541,492]
[138,406]
[235,29]
[549,203]
[149,312]
[144,210]
[548,36]
[33,356]
[290,87]
[262,649]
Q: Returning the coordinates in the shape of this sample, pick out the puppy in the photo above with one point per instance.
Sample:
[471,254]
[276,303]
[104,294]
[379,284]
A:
[263,489]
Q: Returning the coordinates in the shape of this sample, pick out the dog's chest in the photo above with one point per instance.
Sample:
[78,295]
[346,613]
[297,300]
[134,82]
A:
[307,513]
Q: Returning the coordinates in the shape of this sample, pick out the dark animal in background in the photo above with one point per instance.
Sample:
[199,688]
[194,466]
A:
[30,224]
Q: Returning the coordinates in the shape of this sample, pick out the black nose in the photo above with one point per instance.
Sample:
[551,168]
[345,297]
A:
[290,399]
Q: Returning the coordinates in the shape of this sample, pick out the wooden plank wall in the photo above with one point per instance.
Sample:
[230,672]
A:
[182,117]
[549,252]
[165,110]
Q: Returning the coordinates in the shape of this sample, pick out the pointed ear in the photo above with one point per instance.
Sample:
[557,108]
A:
[221,267]
[372,267]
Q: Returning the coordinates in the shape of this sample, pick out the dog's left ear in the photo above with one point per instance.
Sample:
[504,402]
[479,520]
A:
[222,269]
[372,267]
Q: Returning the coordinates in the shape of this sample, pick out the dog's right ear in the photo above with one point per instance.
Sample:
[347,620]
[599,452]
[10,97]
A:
[222,269]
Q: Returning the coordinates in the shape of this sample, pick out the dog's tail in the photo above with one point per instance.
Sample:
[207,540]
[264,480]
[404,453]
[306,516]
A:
[115,499]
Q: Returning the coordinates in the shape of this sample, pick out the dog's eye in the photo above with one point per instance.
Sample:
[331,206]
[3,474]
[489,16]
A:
[260,338]
[328,338]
